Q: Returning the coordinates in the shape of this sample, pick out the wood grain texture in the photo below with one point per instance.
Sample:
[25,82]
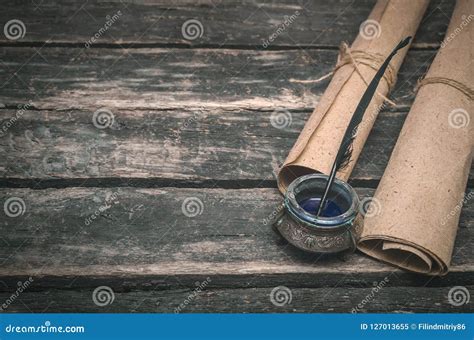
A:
[224,23]
[132,236]
[68,78]
[175,145]
[159,147]
[250,300]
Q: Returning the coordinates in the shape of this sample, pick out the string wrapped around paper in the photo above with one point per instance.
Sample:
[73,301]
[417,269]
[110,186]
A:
[423,188]
[319,141]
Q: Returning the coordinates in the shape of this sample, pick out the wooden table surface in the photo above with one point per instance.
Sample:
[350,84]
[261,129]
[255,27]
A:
[191,124]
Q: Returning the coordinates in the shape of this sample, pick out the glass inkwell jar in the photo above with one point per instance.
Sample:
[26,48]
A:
[338,227]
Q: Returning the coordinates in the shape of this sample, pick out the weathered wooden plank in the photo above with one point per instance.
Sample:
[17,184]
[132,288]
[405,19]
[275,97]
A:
[65,78]
[251,300]
[192,145]
[84,236]
[164,146]
[224,23]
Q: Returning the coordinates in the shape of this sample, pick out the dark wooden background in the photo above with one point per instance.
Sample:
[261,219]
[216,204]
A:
[192,119]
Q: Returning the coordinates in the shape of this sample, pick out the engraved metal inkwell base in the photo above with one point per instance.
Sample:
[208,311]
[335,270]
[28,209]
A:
[337,229]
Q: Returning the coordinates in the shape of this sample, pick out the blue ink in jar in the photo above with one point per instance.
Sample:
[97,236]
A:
[311,205]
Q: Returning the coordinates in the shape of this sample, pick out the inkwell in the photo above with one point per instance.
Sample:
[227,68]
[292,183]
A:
[321,213]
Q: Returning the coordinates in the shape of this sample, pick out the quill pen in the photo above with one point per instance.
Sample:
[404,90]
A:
[345,150]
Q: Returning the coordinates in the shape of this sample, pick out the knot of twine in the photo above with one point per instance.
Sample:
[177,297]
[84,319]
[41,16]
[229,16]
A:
[466,90]
[372,60]
[355,57]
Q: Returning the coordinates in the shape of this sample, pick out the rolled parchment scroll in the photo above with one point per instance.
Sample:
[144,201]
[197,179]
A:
[418,202]
[389,22]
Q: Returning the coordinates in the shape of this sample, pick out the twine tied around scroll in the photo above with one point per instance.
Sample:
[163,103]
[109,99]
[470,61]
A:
[355,57]
[466,90]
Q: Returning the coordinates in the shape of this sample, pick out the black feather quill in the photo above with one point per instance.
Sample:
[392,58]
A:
[345,150]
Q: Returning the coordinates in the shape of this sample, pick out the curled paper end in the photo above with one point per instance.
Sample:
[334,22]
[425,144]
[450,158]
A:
[406,256]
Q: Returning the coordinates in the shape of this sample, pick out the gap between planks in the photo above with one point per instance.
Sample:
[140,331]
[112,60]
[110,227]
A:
[48,44]
[153,182]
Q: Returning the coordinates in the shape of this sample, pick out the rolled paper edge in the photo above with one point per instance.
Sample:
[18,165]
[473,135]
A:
[415,256]
[388,246]
[289,173]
